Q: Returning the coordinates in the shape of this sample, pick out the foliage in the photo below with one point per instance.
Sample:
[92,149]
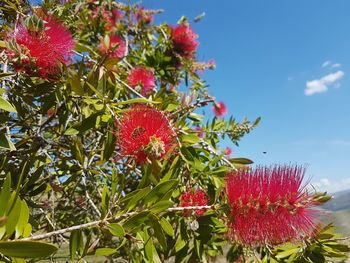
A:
[64,178]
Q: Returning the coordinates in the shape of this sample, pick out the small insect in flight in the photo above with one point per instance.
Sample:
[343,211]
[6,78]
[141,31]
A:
[199,17]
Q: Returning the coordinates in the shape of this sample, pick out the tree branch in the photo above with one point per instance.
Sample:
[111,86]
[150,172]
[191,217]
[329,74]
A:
[106,222]
[212,151]
[192,107]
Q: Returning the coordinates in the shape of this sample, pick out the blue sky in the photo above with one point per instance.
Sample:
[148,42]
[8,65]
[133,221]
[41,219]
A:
[267,53]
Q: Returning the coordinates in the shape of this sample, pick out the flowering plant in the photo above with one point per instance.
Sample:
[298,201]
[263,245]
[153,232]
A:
[105,152]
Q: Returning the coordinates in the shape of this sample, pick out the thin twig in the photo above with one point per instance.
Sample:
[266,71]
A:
[106,222]
[192,107]
[91,203]
[212,151]
[123,6]
[84,56]
[129,88]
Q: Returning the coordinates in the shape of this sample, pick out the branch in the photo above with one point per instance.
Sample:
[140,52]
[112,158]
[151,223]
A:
[84,56]
[91,203]
[129,88]
[212,151]
[123,6]
[103,222]
[192,107]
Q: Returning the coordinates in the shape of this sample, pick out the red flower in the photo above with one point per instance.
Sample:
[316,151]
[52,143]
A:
[48,47]
[185,40]
[200,132]
[115,48]
[219,109]
[228,151]
[269,205]
[143,16]
[111,17]
[143,78]
[145,133]
[196,198]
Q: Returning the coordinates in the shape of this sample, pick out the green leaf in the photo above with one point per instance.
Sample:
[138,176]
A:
[95,90]
[105,251]
[109,146]
[74,82]
[136,220]
[13,217]
[23,219]
[26,249]
[7,106]
[75,242]
[287,253]
[158,231]
[137,197]
[137,100]
[161,206]
[27,230]
[180,244]
[116,229]
[160,190]
[107,41]
[190,138]
[168,229]
[3,221]
[6,143]
[5,195]
[80,47]
[71,131]
[241,161]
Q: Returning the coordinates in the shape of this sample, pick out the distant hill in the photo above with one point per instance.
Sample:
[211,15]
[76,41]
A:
[340,201]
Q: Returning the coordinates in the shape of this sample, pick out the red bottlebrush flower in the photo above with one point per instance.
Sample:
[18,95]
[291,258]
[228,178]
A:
[184,40]
[115,48]
[143,78]
[143,16]
[196,198]
[112,17]
[219,109]
[200,132]
[48,47]
[228,151]
[145,133]
[269,205]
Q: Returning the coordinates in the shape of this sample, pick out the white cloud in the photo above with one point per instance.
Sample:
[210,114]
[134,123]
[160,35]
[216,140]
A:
[336,65]
[330,64]
[326,63]
[330,186]
[321,85]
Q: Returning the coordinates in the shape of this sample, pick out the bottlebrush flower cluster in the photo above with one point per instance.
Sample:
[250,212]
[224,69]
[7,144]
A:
[45,48]
[219,109]
[108,17]
[144,133]
[111,17]
[143,16]
[114,47]
[269,205]
[193,198]
[184,40]
[228,151]
[143,78]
